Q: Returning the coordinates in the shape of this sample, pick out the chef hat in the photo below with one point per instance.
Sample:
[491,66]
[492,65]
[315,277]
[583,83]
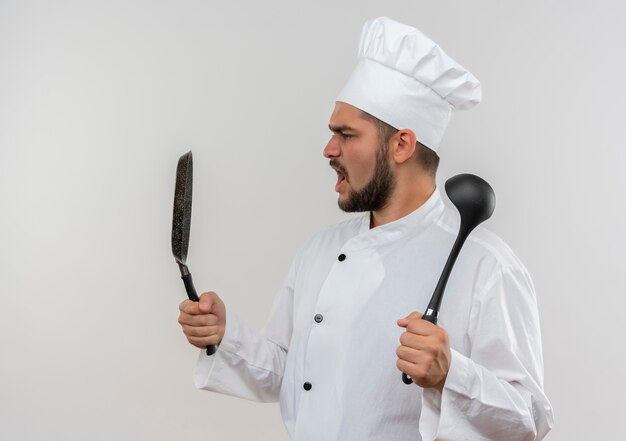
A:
[406,80]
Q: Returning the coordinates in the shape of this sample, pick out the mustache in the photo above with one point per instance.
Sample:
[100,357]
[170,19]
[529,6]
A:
[337,166]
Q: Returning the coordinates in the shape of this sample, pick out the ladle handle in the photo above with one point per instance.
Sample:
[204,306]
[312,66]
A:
[429,318]
[435,301]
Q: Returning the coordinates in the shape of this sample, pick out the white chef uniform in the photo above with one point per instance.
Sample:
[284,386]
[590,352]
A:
[328,350]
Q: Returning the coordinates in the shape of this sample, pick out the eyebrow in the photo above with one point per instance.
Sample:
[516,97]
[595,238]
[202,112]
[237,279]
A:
[341,129]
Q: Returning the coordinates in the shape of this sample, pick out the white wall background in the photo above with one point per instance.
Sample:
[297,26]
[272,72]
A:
[99,99]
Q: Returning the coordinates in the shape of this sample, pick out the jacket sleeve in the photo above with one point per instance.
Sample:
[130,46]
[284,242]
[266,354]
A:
[248,363]
[496,391]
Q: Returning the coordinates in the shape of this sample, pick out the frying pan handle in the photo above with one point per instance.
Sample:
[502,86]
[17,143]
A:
[430,316]
[190,288]
[193,296]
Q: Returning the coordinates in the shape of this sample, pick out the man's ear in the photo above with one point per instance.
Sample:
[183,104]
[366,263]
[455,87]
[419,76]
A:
[402,145]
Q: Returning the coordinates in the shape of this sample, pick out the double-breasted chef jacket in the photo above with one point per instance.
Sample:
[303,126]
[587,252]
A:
[328,350]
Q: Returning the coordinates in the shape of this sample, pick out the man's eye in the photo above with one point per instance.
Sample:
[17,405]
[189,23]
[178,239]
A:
[344,136]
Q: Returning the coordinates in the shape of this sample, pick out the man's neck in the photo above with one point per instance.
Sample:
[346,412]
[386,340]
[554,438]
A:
[403,202]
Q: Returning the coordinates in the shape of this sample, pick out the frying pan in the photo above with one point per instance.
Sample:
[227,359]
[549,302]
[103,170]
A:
[181,225]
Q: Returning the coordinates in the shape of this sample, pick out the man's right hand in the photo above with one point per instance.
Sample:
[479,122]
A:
[203,322]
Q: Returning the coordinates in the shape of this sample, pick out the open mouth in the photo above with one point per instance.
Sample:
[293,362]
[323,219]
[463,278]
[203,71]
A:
[340,178]
[341,173]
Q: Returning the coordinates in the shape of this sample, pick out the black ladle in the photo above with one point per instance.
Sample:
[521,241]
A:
[475,200]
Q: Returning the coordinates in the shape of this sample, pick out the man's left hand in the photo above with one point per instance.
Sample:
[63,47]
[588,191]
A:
[424,352]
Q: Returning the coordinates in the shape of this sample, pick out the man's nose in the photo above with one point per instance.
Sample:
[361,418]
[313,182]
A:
[332,148]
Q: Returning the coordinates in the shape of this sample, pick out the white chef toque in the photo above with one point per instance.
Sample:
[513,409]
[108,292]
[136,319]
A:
[406,80]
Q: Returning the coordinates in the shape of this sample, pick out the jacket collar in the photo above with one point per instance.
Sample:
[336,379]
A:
[411,224]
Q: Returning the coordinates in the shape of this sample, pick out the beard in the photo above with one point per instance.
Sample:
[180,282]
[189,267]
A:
[377,192]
